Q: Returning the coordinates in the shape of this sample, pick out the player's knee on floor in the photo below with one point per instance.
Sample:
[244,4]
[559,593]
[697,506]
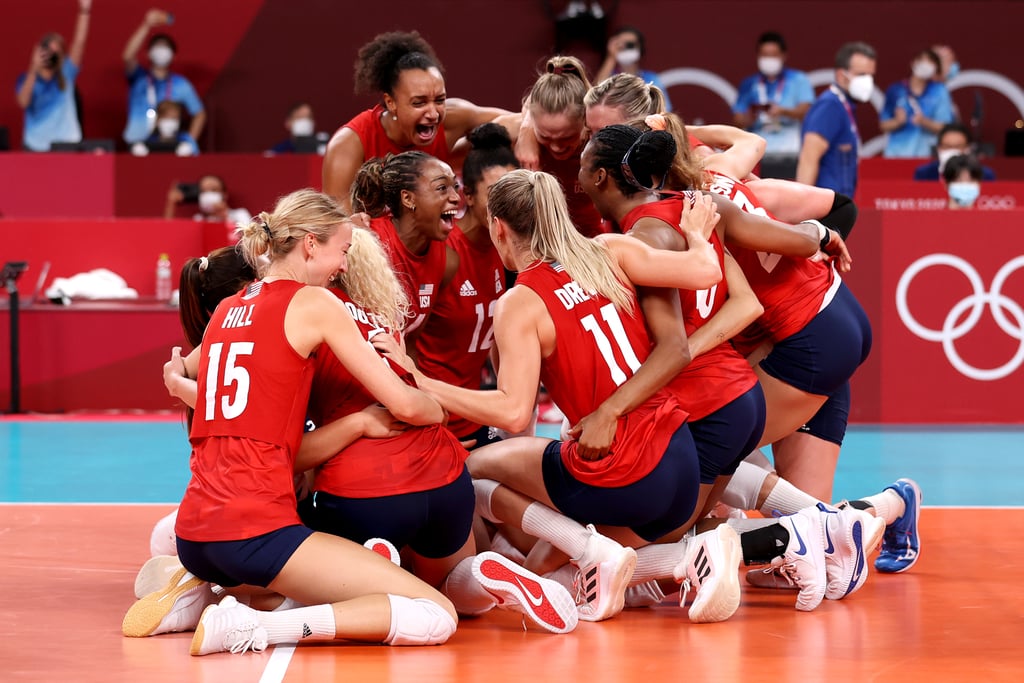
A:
[418,621]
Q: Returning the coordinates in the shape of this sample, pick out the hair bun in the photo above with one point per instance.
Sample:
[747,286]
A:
[489,136]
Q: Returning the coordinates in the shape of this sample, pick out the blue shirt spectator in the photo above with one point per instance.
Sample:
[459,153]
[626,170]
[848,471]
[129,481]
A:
[149,87]
[46,92]
[774,101]
[916,109]
[831,141]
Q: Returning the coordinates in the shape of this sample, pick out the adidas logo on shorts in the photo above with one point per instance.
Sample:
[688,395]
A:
[467,289]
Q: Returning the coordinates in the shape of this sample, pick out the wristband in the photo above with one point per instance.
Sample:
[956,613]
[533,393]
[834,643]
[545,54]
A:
[824,233]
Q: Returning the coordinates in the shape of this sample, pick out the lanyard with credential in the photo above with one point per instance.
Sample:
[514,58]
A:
[849,110]
[762,90]
[151,98]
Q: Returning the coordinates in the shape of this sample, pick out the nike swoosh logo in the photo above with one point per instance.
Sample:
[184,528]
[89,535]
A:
[803,548]
[535,600]
[831,548]
[859,568]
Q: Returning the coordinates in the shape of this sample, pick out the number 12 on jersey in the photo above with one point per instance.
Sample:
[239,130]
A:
[614,323]
[233,374]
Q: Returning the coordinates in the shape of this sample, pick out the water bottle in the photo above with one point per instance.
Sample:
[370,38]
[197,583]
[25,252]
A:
[163,279]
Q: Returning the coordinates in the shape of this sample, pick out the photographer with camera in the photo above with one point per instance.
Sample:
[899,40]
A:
[47,90]
[626,47]
[210,195]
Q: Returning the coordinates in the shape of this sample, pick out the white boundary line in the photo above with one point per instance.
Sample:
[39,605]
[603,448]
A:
[277,665]
[8,503]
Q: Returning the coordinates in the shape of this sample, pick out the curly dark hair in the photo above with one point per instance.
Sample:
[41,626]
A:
[389,54]
[492,147]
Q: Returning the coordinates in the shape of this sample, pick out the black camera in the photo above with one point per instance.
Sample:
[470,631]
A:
[50,58]
[189,192]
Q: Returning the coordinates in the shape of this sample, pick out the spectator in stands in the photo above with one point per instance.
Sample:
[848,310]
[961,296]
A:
[149,87]
[962,176]
[916,109]
[211,196]
[773,102]
[303,137]
[626,48]
[831,142]
[954,140]
[47,90]
[167,135]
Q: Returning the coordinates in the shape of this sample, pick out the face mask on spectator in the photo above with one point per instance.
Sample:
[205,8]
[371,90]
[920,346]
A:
[769,66]
[161,55]
[628,57]
[924,69]
[946,154]
[964,193]
[861,87]
[954,70]
[208,201]
[168,127]
[302,127]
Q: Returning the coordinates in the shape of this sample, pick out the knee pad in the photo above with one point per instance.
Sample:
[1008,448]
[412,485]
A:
[484,489]
[418,621]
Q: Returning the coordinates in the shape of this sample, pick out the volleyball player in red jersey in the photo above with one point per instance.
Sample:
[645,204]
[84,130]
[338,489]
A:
[456,340]
[415,112]
[622,171]
[412,198]
[552,140]
[572,321]
[412,488]
[237,524]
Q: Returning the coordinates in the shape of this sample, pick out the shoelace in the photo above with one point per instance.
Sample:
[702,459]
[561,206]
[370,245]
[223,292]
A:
[787,571]
[684,590]
[246,637]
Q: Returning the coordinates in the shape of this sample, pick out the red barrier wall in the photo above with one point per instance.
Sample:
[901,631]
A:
[910,195]
[251,59]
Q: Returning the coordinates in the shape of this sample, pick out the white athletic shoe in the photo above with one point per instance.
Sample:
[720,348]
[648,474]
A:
[162,540]
[710,567]
[155,574]
[850,534]
[228,627]
[544,601]
[647,594]
[385,549]
[803,562]
[605,568]
[177,606]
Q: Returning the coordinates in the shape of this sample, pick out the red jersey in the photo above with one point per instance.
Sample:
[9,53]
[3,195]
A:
[457,337]
[720,375]
[252,394]
[791,289]
[418,459]
[597,348]
[376,143]
[419,274]
[582,211]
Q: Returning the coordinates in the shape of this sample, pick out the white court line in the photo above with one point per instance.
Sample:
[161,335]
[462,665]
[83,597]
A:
[277,666]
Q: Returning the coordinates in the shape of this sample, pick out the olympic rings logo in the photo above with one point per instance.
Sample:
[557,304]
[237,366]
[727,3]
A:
[996,301]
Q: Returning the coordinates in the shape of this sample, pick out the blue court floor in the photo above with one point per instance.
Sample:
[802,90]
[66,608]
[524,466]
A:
[80,461]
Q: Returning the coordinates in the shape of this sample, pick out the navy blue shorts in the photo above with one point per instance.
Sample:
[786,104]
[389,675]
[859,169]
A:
[251,562]
[434,523]
[483,436]
[652,507]
[725,437]
[821,357]
[829,423]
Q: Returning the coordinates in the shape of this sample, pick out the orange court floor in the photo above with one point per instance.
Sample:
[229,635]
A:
[67,571]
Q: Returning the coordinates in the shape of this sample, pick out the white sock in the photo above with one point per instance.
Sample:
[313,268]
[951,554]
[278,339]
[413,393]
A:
[287,604]
[502,546]
[465,592]
[484,489]
[303,623]
[566,534]
[786,499]
[745,486]
[657,561]
[564,576]
[888,505]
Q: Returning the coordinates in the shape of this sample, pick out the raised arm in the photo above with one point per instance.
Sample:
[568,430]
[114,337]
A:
[517,316]
[81,33]
[24,94]
[462,116]
[344,156]
[153,18]
[741,150]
